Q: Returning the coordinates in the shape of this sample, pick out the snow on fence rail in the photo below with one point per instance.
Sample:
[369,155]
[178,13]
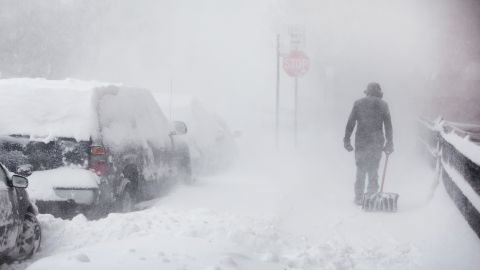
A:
[455,150]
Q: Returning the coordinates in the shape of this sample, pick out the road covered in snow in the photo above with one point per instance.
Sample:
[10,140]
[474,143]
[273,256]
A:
[280,211]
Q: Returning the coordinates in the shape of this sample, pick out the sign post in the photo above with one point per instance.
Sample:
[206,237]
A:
[296,64]
[295,118]
[277,103]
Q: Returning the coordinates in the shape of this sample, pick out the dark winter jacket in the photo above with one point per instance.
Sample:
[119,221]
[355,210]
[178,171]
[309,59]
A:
[370,114]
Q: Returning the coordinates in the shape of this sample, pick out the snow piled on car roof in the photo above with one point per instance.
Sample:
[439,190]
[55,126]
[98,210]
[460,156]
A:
[130,116]
[45,109]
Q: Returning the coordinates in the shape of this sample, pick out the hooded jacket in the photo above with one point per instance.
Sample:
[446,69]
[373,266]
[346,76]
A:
[371,115]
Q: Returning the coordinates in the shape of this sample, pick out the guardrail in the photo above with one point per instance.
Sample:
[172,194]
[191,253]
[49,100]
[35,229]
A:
[454,151]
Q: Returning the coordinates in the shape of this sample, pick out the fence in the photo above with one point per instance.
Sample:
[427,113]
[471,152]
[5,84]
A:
[454,151]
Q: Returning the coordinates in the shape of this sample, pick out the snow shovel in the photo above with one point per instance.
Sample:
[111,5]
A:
[380,201]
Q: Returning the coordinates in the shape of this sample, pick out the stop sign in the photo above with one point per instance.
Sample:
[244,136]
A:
[296,63]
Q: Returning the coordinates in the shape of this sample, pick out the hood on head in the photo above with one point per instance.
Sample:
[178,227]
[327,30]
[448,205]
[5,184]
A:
[374,89]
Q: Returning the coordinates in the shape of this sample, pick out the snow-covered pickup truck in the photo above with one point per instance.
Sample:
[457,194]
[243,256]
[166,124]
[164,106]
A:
[91,147]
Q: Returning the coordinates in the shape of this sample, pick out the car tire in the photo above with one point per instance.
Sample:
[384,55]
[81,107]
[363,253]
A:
[29,239]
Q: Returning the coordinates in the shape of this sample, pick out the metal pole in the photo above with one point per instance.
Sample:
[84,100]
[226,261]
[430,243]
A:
[295,124]
[171,98]
[277,104]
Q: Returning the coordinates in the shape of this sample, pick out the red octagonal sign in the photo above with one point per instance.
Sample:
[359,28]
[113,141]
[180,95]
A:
[296,63]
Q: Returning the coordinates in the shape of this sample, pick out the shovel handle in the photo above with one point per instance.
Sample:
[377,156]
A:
[384,172]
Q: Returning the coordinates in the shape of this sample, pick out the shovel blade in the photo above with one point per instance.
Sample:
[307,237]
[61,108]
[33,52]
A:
[380,202]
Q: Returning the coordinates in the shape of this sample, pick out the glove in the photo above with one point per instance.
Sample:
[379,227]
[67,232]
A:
[348,146]
[388,148]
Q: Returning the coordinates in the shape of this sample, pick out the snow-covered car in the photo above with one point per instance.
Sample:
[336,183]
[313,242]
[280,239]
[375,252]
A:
[91,147]
[20,232]
[211,142]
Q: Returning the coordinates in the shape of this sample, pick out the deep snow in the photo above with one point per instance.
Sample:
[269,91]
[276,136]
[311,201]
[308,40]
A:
[284,211]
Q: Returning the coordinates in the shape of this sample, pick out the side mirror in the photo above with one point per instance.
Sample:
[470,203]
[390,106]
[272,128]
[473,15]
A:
[19,181]
[179,128]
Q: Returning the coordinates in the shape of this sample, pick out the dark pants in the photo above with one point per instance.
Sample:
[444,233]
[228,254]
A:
[367,161]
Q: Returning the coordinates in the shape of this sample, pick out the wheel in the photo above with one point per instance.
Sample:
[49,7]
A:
[28,241]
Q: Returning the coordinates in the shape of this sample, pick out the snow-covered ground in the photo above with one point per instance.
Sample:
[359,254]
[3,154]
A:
[279,211]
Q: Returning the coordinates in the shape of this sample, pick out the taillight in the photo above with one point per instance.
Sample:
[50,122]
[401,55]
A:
[97,150]
[97,166]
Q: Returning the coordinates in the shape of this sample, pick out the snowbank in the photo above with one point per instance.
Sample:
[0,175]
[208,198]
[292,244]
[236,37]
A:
[42,184]
[202,239]
[45,108]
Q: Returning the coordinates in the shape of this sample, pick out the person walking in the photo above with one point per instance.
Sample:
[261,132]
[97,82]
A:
[371,116]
